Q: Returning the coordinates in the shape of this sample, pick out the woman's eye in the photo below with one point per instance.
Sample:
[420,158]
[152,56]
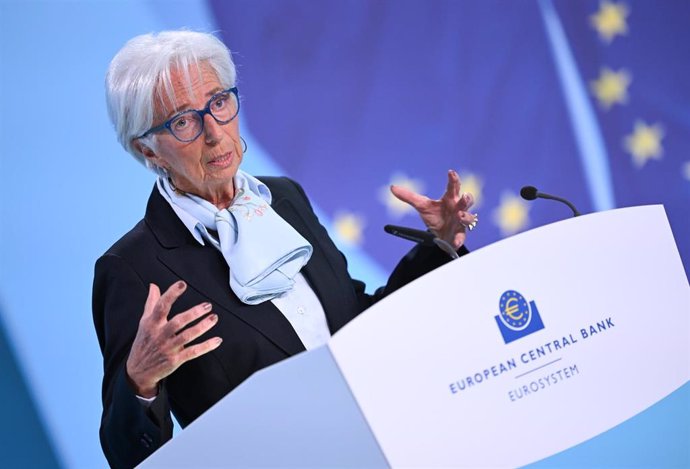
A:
[219,103]
[180,123]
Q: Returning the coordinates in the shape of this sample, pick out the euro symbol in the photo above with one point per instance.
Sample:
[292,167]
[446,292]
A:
[512,308]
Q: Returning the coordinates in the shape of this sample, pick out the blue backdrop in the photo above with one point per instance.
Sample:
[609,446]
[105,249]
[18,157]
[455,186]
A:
[587,99]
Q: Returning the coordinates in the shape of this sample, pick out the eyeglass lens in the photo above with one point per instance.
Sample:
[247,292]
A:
[189,125]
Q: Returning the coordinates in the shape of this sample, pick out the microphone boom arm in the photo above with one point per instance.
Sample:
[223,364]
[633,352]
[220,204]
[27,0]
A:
[559,199]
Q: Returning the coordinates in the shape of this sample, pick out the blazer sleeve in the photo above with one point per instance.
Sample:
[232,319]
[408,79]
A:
[417,262]
[129,431]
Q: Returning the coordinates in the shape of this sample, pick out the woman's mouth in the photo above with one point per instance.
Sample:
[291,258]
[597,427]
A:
[221,161]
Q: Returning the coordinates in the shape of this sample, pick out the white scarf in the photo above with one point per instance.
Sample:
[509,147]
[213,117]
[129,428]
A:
[263,252]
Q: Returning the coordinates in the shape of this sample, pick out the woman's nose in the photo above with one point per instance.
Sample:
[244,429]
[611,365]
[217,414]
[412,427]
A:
[212,131]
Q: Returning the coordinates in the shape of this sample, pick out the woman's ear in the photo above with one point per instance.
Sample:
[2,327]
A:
[145,150]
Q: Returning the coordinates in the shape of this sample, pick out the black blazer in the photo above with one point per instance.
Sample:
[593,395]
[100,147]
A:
[160,250]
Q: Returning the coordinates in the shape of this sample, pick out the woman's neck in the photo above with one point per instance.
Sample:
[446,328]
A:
[221,197]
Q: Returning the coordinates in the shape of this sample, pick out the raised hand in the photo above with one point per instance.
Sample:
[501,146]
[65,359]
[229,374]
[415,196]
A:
[159,346]
[448,217]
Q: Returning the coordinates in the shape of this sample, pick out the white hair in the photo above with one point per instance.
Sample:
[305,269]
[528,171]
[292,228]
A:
[141,70]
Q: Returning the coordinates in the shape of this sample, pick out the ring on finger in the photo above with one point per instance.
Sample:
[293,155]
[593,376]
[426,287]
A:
[473,225]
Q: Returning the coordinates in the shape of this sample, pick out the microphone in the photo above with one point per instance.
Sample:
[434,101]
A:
[418,236]
[531,193]
[421,237]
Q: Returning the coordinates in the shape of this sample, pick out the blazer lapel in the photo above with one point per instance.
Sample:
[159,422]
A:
[205,270]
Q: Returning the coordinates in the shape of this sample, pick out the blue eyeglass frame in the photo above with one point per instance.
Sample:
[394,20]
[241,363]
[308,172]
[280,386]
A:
[207,110]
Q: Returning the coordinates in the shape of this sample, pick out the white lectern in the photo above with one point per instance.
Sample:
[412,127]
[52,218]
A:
[509,355]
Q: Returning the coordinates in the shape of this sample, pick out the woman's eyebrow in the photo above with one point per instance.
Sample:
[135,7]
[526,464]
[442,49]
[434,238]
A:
[186,106]
[174,112]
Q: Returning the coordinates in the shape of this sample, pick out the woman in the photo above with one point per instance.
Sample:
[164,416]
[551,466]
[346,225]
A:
[249,276]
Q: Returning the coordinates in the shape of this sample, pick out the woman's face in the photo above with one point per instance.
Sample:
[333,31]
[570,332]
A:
[207,165]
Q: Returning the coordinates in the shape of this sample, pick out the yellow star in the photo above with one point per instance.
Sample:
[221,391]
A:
[473,184]
[644,143]
[611,87]
[511,215]
[349,227]
[610,20]
[396,207]
[686,170]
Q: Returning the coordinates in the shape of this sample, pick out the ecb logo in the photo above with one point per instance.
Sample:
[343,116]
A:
[517,319]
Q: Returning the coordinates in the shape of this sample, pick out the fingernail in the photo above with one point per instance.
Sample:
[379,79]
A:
[219,340]
[180,285]
[207,306]
[213,317]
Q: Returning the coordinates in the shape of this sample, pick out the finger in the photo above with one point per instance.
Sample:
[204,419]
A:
[197,350]
[183,320]
[453,186]
[151,299]
[196,331]
[167,299]
[466,201]
[459,240]
[408,196]
[468,220]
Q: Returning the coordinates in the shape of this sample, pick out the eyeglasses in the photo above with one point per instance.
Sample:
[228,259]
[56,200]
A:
[188,125]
